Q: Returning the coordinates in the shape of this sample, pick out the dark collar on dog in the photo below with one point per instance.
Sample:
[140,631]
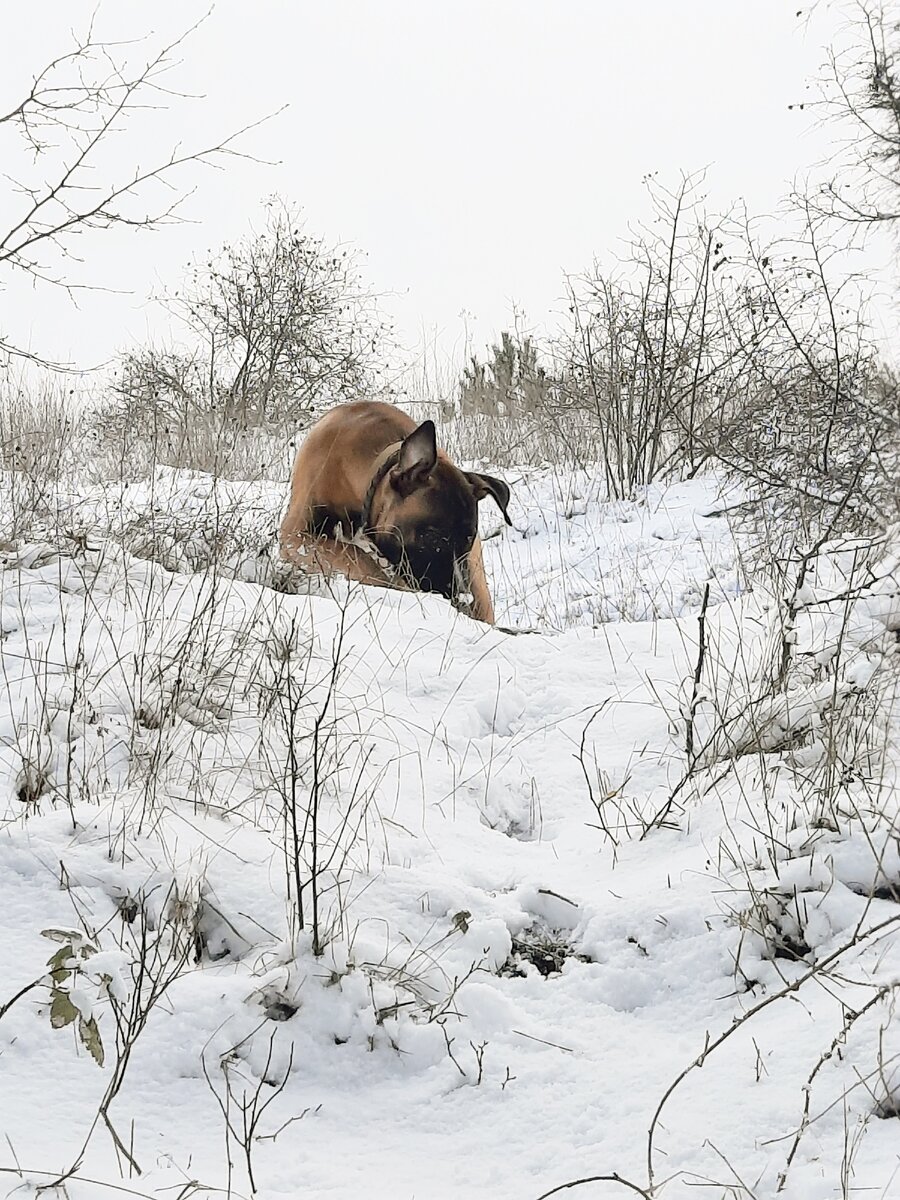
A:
[387,465]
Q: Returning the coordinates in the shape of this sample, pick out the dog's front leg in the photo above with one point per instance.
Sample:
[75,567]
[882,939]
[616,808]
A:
[482,608]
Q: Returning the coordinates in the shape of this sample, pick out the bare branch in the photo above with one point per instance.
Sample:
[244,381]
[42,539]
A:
[76,105]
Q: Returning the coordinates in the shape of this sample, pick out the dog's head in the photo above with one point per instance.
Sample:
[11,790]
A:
[424,514]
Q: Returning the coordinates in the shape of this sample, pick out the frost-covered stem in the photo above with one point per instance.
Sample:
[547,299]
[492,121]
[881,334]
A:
[314,820]
[831,782]
[703,288]
[583,335]
[317,946]
[794,603]
[838,383]
[662,389]
[615,1177]
[849,1021]
[596,801]
[77,670]
[242,1129]
[29,987]
[698,673]
[294,768]
[789,989]
[789,621]
[159,961]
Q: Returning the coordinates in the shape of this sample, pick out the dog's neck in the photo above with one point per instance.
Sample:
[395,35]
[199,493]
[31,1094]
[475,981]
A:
[385,462]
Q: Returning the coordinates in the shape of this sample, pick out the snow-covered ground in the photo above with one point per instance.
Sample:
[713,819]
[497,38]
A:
[523,918]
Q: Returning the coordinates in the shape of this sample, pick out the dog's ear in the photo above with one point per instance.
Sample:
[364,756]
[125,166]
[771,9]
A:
[487,485]
[418,455]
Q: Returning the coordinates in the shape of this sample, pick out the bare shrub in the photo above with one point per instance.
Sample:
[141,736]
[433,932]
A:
[276,324]
[859,93]
[37,432]
[198,440]
[632,374]
[709,345]
[820,438]
[646,353]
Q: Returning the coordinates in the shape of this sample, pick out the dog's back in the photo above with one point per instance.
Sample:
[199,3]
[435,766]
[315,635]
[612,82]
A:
[335,463]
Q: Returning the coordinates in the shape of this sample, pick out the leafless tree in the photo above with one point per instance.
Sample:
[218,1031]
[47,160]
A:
[276,322]
[60,181]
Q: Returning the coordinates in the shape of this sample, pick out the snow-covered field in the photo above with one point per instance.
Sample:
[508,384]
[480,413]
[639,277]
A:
[523,917]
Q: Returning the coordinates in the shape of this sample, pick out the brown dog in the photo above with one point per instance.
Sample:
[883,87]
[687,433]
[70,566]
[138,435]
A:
[367,471]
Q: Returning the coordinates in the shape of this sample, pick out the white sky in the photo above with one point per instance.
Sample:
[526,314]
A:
[474,149]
